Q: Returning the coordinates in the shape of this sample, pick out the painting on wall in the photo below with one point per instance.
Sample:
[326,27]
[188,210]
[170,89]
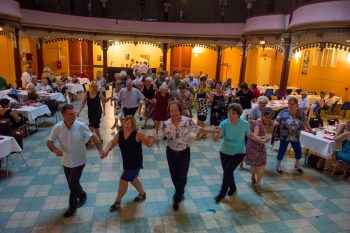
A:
[305,64]
[99,58]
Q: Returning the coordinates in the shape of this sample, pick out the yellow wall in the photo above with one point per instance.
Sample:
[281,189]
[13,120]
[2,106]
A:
[231,59]
[28,46]
[252,66]
[204,61]
[97,51]
[324,78]
[7,66]
[116,54]
[51,55]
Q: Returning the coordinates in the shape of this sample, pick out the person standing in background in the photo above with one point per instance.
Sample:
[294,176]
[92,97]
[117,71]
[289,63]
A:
[26,78]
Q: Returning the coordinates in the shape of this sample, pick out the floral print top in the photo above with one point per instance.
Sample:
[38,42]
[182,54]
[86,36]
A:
[178,137]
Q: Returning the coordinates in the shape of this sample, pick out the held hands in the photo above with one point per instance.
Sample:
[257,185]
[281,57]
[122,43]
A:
[103,154]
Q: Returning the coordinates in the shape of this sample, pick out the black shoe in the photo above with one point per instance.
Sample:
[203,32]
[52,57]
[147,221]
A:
[70,212]
[176,206]
[218,198]
[231,191]
[300,171]
[114,207]
[81,202]
[279,171]
[140,197]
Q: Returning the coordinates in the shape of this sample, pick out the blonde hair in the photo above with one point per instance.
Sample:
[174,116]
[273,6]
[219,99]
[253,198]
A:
[132,119]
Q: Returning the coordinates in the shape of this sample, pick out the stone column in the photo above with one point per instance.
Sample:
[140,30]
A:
[40,59]
[104,50]
[17,59]
[243,62]
[218,64]
[285,68]
[165,52]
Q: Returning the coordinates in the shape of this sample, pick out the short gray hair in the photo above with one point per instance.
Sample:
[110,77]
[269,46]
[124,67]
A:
[262,99]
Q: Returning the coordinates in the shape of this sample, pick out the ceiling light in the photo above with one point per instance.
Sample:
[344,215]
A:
[348,41]
[262,42]
[1,29]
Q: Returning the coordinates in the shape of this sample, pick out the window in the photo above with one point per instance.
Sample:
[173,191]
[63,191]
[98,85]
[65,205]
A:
[316,56]
[334,58]
[325,55]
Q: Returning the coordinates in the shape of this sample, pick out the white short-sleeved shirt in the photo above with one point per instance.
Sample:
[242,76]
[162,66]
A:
[72,142]
[26,78]
[178,137]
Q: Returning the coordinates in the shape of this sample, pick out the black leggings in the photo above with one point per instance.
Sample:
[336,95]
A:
[229,164]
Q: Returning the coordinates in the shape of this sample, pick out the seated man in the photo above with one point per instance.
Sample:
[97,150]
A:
[304,103]
[329,100]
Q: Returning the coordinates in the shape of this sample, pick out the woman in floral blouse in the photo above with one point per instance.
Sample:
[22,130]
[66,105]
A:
[177,131]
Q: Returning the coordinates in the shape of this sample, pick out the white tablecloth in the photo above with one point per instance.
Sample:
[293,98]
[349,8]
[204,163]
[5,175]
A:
[314,98]
[275,104]
[84,81]
[318,143]
[32,112]
[3,95]
[23,94]
[74,88]
[52,96]
[8,145]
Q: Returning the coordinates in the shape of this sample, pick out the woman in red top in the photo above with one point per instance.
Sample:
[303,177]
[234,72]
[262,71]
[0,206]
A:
[255,91]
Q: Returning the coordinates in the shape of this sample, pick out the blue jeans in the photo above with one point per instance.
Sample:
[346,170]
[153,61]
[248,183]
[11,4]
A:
[283,147]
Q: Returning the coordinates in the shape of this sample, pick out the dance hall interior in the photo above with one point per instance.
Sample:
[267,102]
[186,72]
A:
[210,116]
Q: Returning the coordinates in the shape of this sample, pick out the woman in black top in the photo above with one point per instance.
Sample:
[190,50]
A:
[94,98]
[148,90]
[130,142]
[9,114]
[245,96]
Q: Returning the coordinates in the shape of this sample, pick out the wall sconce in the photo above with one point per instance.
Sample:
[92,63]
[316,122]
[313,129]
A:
[297,55]
[348,58]
[197,50]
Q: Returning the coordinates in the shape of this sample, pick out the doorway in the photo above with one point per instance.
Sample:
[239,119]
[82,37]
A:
[264,70]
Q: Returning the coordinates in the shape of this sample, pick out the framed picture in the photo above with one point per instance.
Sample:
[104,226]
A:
[126,56]
[99,58]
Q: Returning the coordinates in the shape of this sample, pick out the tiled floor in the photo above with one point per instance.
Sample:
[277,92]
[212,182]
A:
[34,200]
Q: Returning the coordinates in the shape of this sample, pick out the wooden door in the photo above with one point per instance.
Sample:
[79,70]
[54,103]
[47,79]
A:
[80,57]
[180,59]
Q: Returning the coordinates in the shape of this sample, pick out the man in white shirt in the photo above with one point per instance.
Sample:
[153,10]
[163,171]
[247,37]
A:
[144,68]
[330,100]
[129,98]
[26,78]
[304,103]
[72,136]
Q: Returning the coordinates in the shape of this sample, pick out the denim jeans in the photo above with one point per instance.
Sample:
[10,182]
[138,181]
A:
[283,147]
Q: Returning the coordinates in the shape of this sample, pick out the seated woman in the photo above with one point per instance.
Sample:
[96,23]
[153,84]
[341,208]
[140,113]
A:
[9,114]
[32,97]
[343,137]
[45,86]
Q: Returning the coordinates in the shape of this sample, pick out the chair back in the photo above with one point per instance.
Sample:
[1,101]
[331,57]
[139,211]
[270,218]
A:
[53,105]
[277,92]
[269,92]
[345,106]
[333,121]
[289,91]
[298,91]
[5,127]
[315,122]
